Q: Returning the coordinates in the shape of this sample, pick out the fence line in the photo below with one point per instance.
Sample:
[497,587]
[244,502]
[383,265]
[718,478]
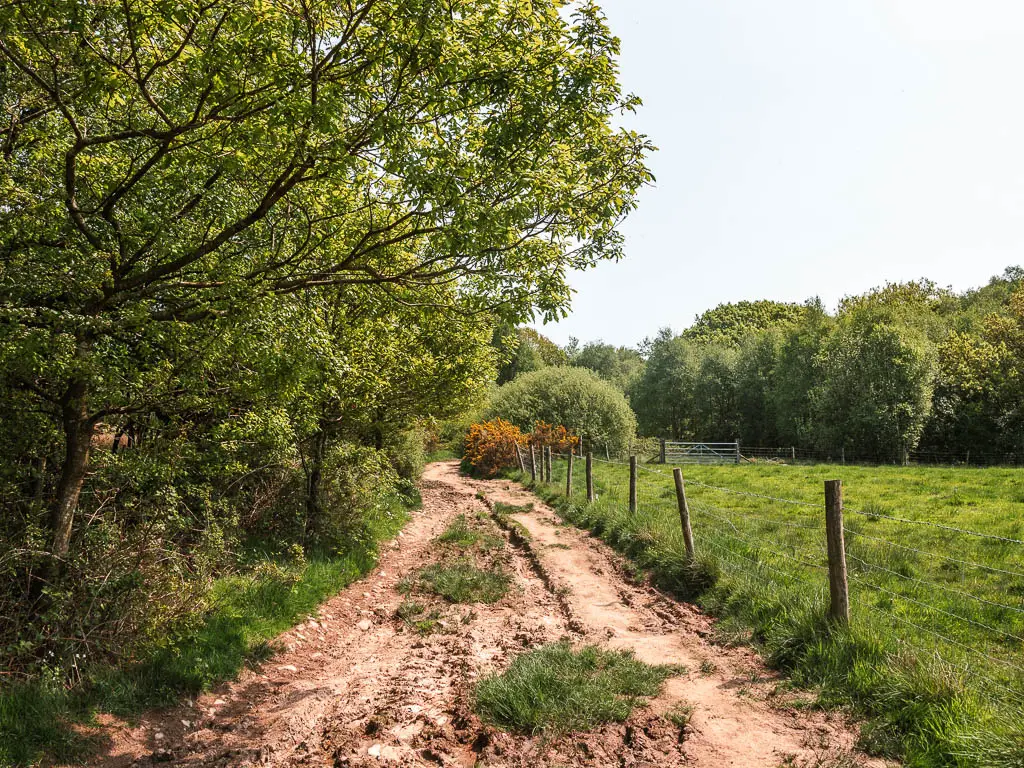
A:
[797,502]
[736,536]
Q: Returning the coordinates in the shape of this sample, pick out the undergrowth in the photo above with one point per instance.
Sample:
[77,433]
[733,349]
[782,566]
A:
[556,689]
[247,610]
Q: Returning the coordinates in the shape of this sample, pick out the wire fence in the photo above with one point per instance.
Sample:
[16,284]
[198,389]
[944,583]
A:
[796,455]
[945,593]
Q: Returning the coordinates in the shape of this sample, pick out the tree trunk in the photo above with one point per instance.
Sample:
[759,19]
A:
[78,433]
[314,474]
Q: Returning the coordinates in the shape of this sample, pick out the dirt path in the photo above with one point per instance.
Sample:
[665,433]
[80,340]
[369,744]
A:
[358,686]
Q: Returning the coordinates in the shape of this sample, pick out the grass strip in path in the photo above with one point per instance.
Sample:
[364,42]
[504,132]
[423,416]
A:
[463,582]
[556,689]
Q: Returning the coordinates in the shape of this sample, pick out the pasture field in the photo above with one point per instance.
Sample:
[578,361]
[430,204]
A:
[934,655]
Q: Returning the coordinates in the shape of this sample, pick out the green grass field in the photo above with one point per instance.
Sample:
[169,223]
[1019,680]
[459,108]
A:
[934,656]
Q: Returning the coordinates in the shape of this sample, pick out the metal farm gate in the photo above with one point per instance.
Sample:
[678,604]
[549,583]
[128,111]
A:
[699,453]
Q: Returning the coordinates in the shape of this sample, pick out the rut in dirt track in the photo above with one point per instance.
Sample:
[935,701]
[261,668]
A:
[357,686]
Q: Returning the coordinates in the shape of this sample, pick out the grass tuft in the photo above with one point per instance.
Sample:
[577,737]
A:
[463,582]
[461,534]
[680,714]
[556,689]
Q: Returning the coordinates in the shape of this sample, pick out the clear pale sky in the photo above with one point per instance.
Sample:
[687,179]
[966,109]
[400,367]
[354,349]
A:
[812,148]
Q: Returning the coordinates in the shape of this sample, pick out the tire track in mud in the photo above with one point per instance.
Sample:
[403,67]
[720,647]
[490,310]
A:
[357,686]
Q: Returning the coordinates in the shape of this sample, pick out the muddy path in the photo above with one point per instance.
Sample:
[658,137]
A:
[366,682]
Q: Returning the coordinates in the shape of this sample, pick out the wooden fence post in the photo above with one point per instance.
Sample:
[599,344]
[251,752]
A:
[684,513]
[661,457]
[590,477]
[738,458]
[547,466]
[533,464]
[838,585]
[632,484]
[519,455]
[568,477]
[793,452]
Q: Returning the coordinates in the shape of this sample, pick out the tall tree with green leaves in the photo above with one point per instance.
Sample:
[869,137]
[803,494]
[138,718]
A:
[663,397]
[730,323]
[875,394]
[621,366]
[164,166]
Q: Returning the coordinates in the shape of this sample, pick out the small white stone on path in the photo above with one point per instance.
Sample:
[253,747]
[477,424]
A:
[219,703]
[364,625]
[158,736]
[374,751]
[288,668]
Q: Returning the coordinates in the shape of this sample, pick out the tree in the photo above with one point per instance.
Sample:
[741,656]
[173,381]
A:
[523,350]
[715,412]
[664,395]
[875,395]
[381,365]
[621,366]
[575,398]
[730,323]
[755,382]
[980,385]
[166,166]
[796,375]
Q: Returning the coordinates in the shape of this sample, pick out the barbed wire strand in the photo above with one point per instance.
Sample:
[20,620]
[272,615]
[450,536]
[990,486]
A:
[761,547]
[930,524]
[938,584]
[971,563]
[1008,635]
[747,515]
[881,611]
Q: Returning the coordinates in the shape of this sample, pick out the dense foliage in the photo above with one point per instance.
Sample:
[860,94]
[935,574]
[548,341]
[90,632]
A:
[575,398]
[492,446]
[903,368]
[247,248]
[730,323]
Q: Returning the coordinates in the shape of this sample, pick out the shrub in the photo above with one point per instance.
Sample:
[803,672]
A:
[559,439]
[575,397]
[491,446]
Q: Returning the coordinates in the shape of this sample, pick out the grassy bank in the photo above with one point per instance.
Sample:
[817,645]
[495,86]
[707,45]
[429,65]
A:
[45,719]
[933,656]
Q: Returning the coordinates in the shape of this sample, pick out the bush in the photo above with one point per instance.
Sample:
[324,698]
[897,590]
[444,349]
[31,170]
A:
[491,446]
[558,439]
[575,397]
